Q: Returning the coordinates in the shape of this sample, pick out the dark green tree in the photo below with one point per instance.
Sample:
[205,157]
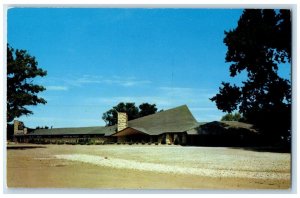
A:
[22,68]
[147,109]
[259,44]
[111,117]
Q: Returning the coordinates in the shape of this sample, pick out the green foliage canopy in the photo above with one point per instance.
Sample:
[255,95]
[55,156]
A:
[22,68]
[259,45]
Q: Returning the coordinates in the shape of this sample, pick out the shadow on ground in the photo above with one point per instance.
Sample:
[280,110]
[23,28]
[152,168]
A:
[266,149]
[23,147]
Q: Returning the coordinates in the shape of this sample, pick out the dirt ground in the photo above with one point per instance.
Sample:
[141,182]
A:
[145,167]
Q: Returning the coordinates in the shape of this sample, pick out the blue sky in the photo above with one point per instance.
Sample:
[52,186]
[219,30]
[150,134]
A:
[96,58]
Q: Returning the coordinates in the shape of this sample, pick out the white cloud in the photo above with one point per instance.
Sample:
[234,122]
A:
[113,80]
[57,88]
[165,98]
[112,101]
[175,91]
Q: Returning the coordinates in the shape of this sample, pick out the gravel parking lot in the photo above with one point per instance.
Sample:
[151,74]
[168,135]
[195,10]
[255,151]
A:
[146,167]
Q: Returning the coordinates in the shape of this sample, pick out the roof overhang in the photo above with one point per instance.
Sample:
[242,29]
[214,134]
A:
[129,131]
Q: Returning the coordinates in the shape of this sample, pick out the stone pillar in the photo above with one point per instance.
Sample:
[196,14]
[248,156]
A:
[122,121]
[168,138]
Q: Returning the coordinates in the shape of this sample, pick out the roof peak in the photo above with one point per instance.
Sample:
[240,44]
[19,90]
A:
[183,107]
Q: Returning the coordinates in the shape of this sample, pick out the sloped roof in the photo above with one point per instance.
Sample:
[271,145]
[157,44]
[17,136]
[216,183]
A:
[178,119]
[222,127]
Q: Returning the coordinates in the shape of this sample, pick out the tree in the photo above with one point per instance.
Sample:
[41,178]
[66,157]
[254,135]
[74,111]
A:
[259,45]
[147,109]
[111,116]
[232,117]
[22,68]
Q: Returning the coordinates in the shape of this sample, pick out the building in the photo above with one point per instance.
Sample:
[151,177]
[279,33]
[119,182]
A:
[173,126]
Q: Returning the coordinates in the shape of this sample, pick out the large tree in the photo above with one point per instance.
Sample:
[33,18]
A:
[259,45]
[133,112]
[147,109]
[22,68]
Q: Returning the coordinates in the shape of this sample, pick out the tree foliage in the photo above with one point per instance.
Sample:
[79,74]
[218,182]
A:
[147,109]
[232,117]
[259,45]
[22,68]
[133,112]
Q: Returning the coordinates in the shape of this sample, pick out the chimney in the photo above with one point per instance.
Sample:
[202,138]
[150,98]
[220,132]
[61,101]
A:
[18,127]
[122,121]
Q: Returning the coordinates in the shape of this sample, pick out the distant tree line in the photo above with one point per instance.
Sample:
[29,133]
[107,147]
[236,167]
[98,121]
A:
[43,127]
[232,117]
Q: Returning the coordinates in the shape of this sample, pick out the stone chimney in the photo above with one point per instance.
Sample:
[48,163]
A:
[122,121]
[19,127]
